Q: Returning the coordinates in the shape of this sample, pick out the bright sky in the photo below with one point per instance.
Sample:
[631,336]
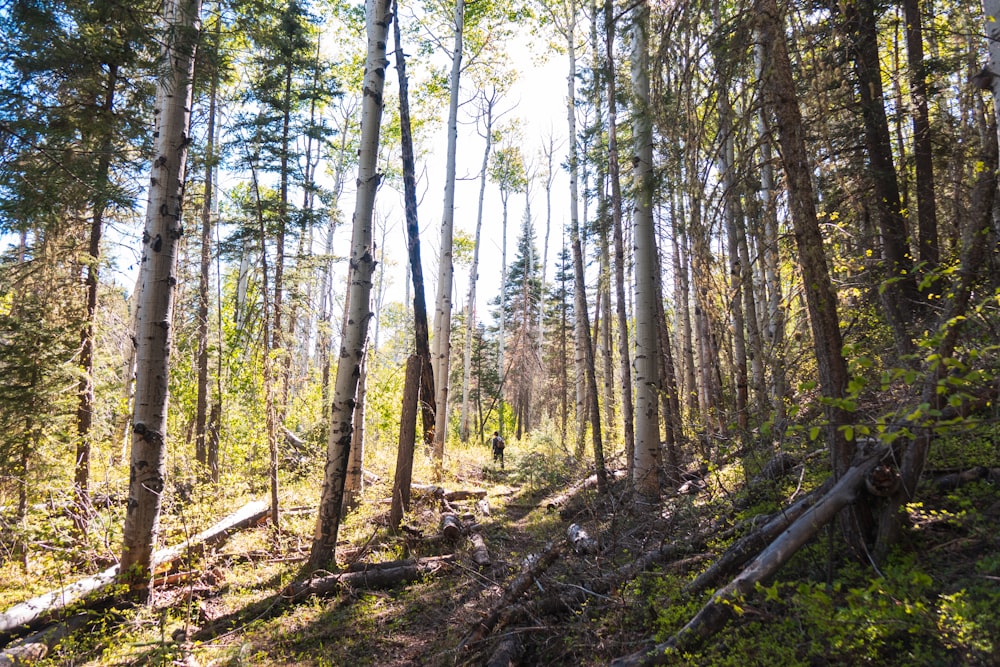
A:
[538,103]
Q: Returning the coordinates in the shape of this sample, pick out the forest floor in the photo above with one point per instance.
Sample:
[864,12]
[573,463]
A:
[936,602]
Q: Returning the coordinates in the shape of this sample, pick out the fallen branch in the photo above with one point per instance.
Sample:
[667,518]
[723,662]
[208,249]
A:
[718,609]
[39,609]
[383,575]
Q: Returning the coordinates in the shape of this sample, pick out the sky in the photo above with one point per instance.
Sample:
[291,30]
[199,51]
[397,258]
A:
[536,104]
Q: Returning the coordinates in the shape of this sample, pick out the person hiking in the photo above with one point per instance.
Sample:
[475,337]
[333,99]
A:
[498,445]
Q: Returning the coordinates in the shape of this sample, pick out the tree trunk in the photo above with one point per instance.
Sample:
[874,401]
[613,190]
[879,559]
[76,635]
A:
[407,437]
[821,300]
[356,461]
[992,69]
[669,396]
[581,321]
[201,410]
[420,328]
[85,408]
[899,291]
[270,416]
[470,324]
[731,212]
[975,249]
[923,153]
[614,174]
[155,313]
[360,275]
[446,269]
[647,441]
[682,297]
[771,258]
[501,332]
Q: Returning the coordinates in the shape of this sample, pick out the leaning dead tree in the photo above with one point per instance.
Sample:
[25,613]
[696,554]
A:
[719,608]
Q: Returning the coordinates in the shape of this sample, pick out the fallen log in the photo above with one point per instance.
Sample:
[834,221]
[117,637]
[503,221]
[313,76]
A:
[952,481]
[533,568]
[39,609]
[480,554]
[557,501]
[451,527]
[718,609]
[569,597]
[483,506]
[369,578]
[509,651]
[580,540]
[452,496]
[37,646]
[750,545]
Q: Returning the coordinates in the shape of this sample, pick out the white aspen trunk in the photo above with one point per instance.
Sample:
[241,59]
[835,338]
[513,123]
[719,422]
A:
[545,247]
[621,307]
[683,301]
[201,412]
[362,266]
[580,300]
[157,285]
[502,335]
[992,11]
[470,324]
[647,422]
[446,269]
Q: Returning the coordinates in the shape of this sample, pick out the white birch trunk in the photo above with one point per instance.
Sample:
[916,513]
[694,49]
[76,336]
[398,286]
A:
[647,423]
[470,324]
[502,333]
[446,271]
[362,267]
[992,10]
[160,241]
[580,299]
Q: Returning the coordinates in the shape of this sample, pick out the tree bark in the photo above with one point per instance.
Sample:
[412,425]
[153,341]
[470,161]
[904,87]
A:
[362,266]
[821,300]
[464,429]
[923,153]
[85,409]
[614,174]
[647,443]
[201,409]
[407,437]
[446,269]
[158,281]
[420,328]
[899,291]
[975,247]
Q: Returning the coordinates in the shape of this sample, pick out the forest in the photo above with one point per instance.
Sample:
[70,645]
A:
[499,332]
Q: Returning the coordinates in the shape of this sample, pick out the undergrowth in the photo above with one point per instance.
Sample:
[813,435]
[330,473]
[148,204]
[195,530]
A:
[934,602]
